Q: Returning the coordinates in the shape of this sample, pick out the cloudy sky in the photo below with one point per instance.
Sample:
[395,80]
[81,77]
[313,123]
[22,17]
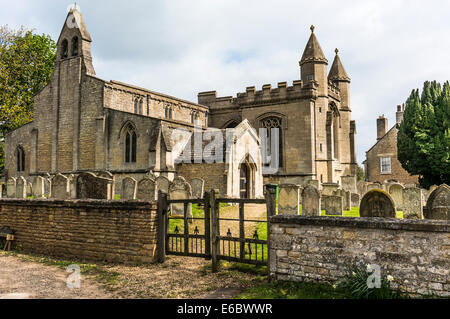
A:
[181,47]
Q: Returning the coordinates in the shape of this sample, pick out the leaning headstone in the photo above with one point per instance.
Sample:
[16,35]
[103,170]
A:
[438,204]
[38,187]
[412,203]
[163,183]
[198,186]
[21,187]
[377,203]
[11,187]
[180,189]
[396,192]
[129,188]
[310,201]
[333,205]
[146,189]
[90,186]
[288,199]
[355,199]
[60,187]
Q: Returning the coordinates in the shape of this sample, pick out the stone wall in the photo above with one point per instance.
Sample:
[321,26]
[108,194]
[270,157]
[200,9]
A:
[415,252]
[92,230]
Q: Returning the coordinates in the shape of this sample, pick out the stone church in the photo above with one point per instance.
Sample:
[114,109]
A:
[316,133]
[85,124]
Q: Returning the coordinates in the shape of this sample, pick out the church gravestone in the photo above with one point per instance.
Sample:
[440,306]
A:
[90,186]
[412,203]
[355,199]
[396,192]
[21,187]
[38,187]
[11,187]
[349,183]
[438,204]
[333,205]
[163,183]
[377,203]
[180,189]
[60,187]
[146,189]
[310,201]
[288,199]
[361,187]
[329,189]
[198,186]
[129,188]
[29,189]
[347,200]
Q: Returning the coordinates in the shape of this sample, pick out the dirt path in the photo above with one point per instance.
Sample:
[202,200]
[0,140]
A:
[23,279]
[179,277]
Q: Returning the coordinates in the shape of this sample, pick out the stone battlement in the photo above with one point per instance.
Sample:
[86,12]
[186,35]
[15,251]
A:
[267,95]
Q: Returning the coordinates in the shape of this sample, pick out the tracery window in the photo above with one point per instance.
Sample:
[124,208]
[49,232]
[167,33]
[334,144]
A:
[130,144]
[274,131]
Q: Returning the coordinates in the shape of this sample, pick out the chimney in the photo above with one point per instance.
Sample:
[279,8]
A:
[399,114]
[382,124]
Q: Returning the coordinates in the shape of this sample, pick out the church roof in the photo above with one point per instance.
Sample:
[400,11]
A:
[337,71]
[313,52]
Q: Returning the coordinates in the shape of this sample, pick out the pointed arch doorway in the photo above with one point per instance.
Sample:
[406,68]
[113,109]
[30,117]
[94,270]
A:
[247,178]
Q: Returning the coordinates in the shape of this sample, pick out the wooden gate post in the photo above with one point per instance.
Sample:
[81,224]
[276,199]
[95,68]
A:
[271,194]
[207,213]
[214,230]
[161,230]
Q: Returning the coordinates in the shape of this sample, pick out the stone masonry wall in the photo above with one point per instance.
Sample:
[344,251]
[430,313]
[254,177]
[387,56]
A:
[415,252]
[92,230]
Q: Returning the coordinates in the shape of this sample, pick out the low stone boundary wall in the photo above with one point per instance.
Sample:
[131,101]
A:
[415,252]
[91,230]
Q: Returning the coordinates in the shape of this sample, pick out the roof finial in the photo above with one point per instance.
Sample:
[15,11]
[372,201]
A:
[312,28]
[337,51]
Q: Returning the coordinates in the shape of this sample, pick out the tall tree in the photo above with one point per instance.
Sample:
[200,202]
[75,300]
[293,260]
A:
[26,64]
[423,140]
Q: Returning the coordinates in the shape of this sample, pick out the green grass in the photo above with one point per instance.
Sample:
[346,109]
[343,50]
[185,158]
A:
[293,290]
[116,196]
[173,223]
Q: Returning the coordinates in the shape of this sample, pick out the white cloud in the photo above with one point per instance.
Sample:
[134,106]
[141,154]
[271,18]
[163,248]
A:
[183,47]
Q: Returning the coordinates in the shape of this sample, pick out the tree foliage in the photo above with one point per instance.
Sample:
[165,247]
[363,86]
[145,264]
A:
[423,140]
[26,65]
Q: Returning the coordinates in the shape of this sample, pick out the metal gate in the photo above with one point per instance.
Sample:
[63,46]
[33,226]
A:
[200,235]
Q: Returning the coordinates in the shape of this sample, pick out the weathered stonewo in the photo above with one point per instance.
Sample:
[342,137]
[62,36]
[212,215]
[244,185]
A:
[163,183]
[396,192]
[21,187]
[438,204]
[29,189]
[91,230]
[315,183]
[361,187]
[72,185]
[333,205]
[412,203]
[60,187]
[198,186]
[47,187]
[146,189]
[11,187]
[89,186]
[373,186]
[310,201]
[289,199]
[320,249]
[348,183]
[180,189]
[329,188]
[377,203]
[355,199]
[129,188]
[347,200]
[38,187]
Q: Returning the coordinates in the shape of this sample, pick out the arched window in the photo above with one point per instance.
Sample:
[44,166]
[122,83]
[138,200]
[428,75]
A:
[20,156]
[130,144]
[168,112]
[272,124]
[74,46]
[140,106]
[64,48]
